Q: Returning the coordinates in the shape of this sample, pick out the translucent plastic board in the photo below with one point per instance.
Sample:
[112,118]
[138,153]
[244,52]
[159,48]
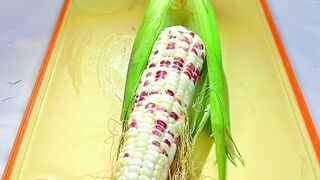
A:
[73,128]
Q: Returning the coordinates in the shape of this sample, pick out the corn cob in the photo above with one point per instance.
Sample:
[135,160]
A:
[210,89]
[161,99]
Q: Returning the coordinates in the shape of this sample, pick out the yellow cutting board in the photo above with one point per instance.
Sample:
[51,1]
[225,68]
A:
[72,127]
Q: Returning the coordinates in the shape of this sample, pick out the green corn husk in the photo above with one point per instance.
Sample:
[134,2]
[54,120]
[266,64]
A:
[209,107]
[219,117]
[149,30]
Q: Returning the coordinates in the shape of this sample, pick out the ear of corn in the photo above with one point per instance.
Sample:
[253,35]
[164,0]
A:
[161,100]
[209,105]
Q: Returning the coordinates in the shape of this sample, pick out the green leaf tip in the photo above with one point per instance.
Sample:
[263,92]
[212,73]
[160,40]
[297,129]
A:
[151,26]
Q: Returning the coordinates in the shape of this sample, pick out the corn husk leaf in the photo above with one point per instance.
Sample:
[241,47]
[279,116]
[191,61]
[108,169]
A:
[150,28]
[219,113]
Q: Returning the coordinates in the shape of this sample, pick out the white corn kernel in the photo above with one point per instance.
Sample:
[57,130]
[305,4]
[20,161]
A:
[134,168]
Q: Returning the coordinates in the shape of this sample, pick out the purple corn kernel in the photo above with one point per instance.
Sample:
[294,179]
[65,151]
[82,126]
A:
[194,51]
[154,92]
[156,143]
[170,92]
[176,67]
[171,45]
[179,59]
[143,94]
[150,105]
[156,132]
[184,39]
[167,142]
[146,83]
[188,74]
[171,133]
[191,67]
[196,46]
[148,74]
[162,123]
[139,104]
[160,128]
[178,63]
[165,63]
[152,65]
[141,99]
[183,48]
[161,72]
[133,124]
[174,115]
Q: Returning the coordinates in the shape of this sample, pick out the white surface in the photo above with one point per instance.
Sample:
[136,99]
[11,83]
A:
[25,30]
[26,27]
[298,23]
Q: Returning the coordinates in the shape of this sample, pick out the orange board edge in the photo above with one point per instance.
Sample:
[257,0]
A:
[32,99]
[293,81]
